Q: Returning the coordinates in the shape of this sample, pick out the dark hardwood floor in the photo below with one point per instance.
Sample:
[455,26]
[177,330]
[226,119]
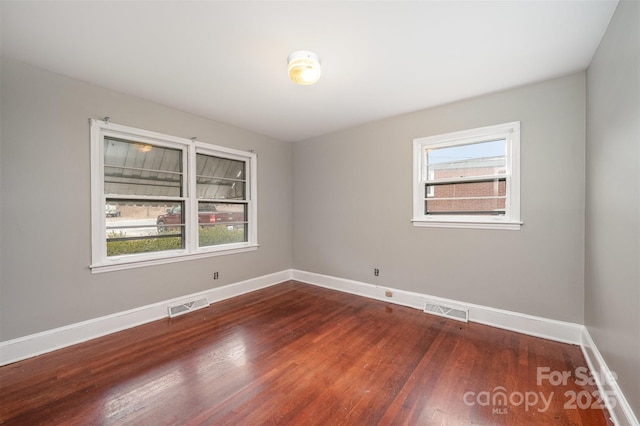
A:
[299,354]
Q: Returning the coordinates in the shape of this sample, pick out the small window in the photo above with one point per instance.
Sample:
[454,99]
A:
[158,198]
[468,179]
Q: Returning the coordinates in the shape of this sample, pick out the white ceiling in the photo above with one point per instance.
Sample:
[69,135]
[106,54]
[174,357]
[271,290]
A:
[227,60]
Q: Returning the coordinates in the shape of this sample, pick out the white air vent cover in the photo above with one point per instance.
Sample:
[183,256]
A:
[449,311]
[185,307]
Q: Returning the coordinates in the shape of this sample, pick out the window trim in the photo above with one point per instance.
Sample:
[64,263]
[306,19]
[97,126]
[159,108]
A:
[99,260]
[511,220]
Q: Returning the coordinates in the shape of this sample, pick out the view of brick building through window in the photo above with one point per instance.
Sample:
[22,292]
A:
[468,179]
[473,197]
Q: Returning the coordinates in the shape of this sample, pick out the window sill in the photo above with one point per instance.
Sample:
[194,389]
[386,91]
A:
[467,224]
[118,265]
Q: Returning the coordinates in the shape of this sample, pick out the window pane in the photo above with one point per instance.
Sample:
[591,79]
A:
[478,159]
[220,178]
[222,234]
[466,207]
[478,198]
[221,223]
[141,227]
[133,168]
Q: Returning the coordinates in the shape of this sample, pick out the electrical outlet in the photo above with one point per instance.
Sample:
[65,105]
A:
[376,272]
[216,276]
[388,293]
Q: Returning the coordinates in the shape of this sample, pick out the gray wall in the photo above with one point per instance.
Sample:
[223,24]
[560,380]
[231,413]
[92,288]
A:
[45,192]
[353,206]
[612,290]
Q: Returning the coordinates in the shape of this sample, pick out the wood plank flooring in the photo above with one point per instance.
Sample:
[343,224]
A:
[296,354]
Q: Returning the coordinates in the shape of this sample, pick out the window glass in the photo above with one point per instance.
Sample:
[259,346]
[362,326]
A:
[133,168]
[142,227]
[478,159]
[220,178]
[221,223]
[485,197]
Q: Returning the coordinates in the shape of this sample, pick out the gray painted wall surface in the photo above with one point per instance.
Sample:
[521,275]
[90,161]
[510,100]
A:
[45,191]
[353,206]
[612,277]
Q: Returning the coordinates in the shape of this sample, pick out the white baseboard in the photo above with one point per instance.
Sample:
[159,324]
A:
[57,338]
[559,331]
[610,392]
[50,340]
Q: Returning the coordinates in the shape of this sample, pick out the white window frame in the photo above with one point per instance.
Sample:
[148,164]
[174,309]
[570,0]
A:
[510,132]
[100,262]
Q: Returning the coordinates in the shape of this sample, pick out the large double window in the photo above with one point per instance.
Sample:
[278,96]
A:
[468,179]
[159,198]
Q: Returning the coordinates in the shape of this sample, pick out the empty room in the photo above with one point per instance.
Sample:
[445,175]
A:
[320,212]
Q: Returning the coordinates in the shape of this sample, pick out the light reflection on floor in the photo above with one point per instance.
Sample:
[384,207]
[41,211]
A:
[221,358]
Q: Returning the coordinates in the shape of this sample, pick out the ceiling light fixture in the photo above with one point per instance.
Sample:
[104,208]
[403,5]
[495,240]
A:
[304,67]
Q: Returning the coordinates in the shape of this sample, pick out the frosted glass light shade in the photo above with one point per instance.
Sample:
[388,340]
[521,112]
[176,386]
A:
[304,67]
